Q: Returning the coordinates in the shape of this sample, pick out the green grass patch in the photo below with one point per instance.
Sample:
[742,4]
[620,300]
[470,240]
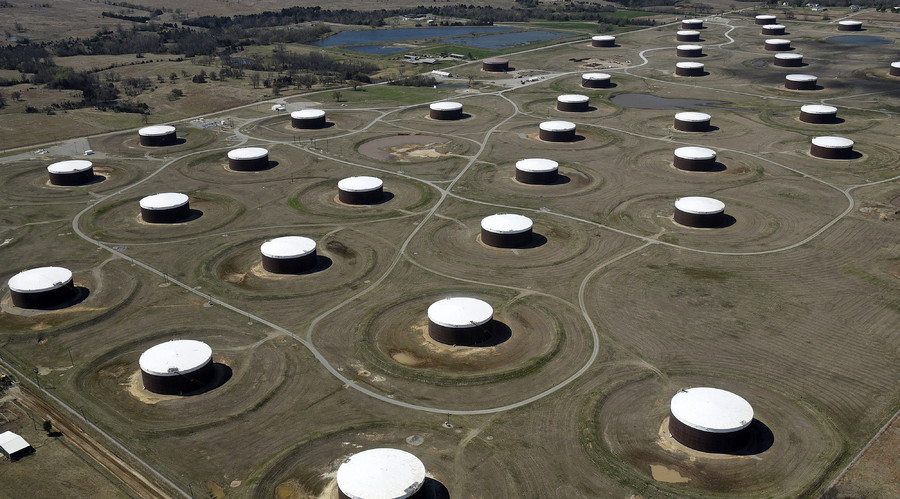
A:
[392,93]
[564,25]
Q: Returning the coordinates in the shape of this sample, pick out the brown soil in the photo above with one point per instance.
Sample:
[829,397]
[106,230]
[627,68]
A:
[404,148]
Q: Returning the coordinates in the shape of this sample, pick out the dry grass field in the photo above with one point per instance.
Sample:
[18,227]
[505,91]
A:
[613,308]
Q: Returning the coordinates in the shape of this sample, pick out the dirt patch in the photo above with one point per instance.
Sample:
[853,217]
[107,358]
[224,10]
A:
[662,474]
[135,387]
[401,148]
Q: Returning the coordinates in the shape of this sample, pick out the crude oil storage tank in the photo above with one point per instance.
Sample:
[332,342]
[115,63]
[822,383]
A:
[817,113]
[495,65]
[71,172]
[157,135]
[603,41]
[557,131]
[694,159]
[689,51]
[596,80]
[308,119]
[248,159]
[460,321]
[360,190]
[800,82]
[381,474]
[710,419]
[573,103]
[699,212]
[445,111]
[537,171]
[177,367]
[506,230]
[689,69]
[165,207]
[788,60]
[687,35]
[42,287]
[692,122]
[831,147]
[288,255]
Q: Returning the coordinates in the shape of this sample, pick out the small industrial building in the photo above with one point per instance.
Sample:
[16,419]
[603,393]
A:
[248,159]
[361,190]
[445,111]
[692,122]
[557,131]
[13,446]
[495,65]
[788,60]
[157,135]
[177,367]
[699,212]
[506,230]
[603,41]
[537,171]
[288,255]
[687,35]
[694,159]
[381,474]
[42,287]
[165,207]
[800,82]
[308,119]
[71,172]
[831,147]
[573,103]
[689,69]
[596,80]
[817,113]
[460,321]
[710,420]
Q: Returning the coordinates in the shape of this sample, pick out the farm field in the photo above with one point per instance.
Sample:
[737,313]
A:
[792,301]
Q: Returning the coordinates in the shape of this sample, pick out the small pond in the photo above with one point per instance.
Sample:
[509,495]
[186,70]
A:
[506,40]
[858,40]
[376,36]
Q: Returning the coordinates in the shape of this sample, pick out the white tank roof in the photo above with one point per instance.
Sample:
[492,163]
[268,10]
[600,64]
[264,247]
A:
[288,247]
[849,22]
[895,64]
[696,153]
[689,47]
[573,98]
[765,16]
[603,38]
[460,312]
[175,357]
[557,126]
[689,65]
[599,76]
[818,109]
[801,77]
[700,205]
[156,130]
[692,117]
[778,41]
[692,21]
[711,409]
[40,279]
[832,142]
[360,184]
[785,56]
[381,474]
[307,114]
[248,153]
[446,106]
[506,223]
[164,201]
[537,165]
[70,166]
[687,32]
[774,26]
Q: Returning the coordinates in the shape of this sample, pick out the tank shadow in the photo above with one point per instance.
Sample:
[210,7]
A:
[221,374]
[760,440]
